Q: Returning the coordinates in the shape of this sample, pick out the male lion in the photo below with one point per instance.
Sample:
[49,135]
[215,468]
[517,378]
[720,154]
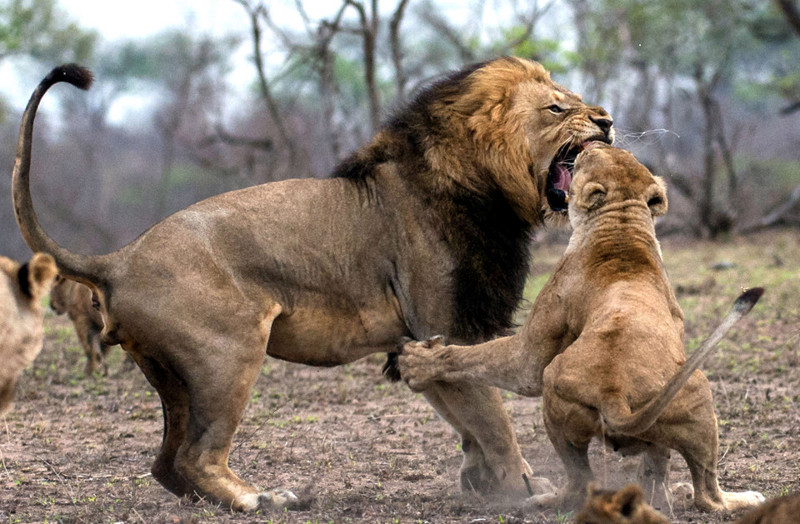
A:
[74,299]
[21,330]
[604,342]
[424,230]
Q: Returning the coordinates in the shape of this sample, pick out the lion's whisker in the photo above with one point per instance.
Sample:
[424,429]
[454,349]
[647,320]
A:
[648,137]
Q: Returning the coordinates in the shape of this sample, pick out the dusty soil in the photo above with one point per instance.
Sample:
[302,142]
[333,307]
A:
[79,449]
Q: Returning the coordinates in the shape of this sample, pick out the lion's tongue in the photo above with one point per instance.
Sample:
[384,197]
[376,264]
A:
[562,178]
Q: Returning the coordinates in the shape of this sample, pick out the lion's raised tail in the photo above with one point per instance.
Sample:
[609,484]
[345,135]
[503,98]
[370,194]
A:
[618,418]
[70,264]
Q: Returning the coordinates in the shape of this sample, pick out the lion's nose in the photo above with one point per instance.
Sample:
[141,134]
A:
[603,123]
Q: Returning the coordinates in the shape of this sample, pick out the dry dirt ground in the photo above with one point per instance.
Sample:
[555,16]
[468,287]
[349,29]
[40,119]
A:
[79,449]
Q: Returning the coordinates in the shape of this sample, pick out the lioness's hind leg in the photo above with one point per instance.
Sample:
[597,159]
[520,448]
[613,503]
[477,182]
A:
[698,443]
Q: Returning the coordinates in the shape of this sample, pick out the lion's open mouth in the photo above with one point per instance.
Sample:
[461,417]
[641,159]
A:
[560,175]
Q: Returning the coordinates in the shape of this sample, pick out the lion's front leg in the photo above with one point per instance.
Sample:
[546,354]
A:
[492,461]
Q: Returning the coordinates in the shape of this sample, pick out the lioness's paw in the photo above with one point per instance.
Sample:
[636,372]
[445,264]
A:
[418,365]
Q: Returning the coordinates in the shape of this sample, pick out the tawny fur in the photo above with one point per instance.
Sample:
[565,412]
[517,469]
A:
[74,299]
[424,230]
[21,326]
[604,343]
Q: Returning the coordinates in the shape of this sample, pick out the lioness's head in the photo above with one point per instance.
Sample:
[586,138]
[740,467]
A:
[608,178]
[21,331]
[522,129]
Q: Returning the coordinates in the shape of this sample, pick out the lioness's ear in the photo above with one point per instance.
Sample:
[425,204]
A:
[628,499]
[657,198]
[591,196]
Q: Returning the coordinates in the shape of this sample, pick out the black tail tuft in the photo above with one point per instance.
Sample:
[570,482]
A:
[74,74]
[748,299]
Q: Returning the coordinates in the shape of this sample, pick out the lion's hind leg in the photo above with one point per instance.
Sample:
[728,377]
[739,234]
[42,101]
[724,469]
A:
[218,387]
[175,407]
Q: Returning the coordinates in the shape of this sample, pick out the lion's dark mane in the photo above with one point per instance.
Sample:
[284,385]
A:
[488,240]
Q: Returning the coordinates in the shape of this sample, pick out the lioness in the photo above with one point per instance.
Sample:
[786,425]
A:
[604,342]
[74,299]
[627,506]
[424,230]
[21,330]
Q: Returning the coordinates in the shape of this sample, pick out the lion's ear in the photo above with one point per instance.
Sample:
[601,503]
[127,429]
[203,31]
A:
[36,277]
[657,198]
[591,196]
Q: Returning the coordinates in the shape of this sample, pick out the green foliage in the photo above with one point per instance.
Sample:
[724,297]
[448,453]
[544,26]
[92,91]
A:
[40,29]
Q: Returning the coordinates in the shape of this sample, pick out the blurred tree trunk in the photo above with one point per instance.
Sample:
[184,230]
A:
[790,12]
[369,34]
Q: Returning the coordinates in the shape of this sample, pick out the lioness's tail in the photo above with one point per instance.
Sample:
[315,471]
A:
[69,264]
[619,419]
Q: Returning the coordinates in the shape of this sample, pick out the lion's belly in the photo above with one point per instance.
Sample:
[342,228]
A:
[328,337]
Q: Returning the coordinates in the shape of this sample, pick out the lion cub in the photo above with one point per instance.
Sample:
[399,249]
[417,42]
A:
[74,299]
[604,343]
[21,329]
[627,506]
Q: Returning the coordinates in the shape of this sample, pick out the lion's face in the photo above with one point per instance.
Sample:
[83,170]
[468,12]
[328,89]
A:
[528,131]
[21,329]
[609,178]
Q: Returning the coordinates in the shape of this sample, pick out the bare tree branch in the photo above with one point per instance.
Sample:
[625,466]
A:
[397,53]
[221,135]
[779,216]
[254,12]
[451,35]
[369,33]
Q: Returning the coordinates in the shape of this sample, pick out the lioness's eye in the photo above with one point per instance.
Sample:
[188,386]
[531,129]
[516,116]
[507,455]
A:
[556,108]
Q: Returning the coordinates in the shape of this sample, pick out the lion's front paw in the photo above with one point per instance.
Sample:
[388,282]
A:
[418,364]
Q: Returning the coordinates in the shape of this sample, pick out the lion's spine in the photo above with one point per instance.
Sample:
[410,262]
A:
[69,263]
[638,422]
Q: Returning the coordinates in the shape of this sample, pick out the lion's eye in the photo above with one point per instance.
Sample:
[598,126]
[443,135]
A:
[556,108]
